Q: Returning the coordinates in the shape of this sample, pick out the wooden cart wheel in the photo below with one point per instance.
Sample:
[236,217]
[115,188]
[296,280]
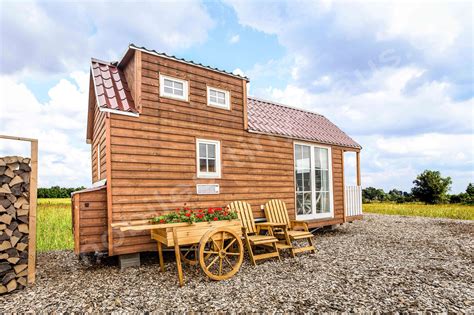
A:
[220,253]
[190,255]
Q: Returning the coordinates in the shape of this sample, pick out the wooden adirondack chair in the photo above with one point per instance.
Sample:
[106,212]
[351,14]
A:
[250,233]
[275,212]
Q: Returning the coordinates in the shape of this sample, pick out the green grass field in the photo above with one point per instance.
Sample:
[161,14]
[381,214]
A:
[55,231]
[450,211]
[54,225]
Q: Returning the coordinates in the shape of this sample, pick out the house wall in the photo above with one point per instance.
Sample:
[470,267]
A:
[153,157]
[90,220]
[98,137]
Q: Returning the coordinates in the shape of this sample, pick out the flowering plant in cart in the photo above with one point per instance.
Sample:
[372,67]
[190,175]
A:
[200,215]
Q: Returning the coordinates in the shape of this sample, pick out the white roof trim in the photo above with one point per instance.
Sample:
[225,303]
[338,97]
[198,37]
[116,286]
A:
[119,112]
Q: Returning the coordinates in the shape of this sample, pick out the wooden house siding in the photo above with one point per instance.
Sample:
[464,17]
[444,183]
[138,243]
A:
[90,220]
[98,137]
[153,156]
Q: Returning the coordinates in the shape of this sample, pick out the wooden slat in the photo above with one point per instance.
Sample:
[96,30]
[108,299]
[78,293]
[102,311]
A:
[109,186]
[32,213]
[76,205]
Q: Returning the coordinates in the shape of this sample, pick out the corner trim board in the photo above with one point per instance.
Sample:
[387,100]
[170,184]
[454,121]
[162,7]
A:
[108,167]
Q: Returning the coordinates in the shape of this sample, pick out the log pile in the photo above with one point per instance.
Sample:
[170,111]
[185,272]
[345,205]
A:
[14,209]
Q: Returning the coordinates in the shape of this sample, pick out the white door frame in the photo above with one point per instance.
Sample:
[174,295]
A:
[314,215]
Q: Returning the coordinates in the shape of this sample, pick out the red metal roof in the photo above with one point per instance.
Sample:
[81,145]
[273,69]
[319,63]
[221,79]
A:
[111,88]
[276,119]
[112,93]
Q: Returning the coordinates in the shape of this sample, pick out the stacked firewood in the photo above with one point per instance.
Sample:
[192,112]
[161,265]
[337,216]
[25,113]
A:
[14,208]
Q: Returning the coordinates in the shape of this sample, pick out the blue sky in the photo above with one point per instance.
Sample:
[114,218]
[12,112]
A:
[396,76]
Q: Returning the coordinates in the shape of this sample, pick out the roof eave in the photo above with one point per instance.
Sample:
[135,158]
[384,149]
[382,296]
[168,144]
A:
[352,148]
[132,47]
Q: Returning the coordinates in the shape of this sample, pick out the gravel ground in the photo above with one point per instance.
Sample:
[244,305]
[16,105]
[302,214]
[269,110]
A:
[383,263]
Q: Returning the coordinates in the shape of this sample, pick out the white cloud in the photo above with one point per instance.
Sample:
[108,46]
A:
[234,39]
[58,124]
[384,108]
[61,37]
[239,71]
[401,134]
[394,162]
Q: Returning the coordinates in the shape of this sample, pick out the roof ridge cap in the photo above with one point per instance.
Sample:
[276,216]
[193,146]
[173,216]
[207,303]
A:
[109,63]
[179,59]
[284,105]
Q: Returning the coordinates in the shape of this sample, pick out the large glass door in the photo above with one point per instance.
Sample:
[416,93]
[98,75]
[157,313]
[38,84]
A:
[304,190]
[313,180]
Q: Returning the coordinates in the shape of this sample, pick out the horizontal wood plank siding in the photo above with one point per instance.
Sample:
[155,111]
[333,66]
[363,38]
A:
[92,221]
[153,159]
[98,137]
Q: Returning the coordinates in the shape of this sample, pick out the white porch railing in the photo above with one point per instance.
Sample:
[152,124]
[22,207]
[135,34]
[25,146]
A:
[353,200]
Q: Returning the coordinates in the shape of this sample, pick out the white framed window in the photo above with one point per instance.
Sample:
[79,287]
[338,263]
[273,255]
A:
[313,181]
[208,158]
[218,98]
[173,88]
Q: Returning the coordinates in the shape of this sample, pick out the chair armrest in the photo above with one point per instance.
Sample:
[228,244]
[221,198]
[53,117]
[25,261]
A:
[271,224]
[303,224]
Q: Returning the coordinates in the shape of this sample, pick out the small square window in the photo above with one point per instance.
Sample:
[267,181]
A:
[218,98]
[173,88]
[208,158]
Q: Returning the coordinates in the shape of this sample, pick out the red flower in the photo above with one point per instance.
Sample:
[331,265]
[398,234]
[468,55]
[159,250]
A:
[188,214]
[162,221]
[216,218]
[218,209]
[210,211]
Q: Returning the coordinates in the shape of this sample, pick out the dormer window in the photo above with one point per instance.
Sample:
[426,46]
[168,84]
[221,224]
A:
[173,88]
[218,98]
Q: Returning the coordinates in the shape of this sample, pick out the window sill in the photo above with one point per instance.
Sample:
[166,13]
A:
[176,98]
[204,176]
[219,106]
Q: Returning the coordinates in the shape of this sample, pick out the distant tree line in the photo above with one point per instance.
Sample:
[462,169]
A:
[57,192]
[429,187]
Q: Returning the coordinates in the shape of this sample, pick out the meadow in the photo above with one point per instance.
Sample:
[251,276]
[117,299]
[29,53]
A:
[450,211]
[54,222]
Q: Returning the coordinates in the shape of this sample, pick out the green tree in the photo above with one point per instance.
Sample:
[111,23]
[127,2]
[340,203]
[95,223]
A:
[470,194]
[431,188]
[56,192]
[370,194]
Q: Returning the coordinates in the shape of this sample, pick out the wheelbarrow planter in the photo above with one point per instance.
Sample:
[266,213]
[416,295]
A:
[215,245]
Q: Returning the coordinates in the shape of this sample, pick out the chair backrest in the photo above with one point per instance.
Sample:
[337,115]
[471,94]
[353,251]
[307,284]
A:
[244,211]
[275,212]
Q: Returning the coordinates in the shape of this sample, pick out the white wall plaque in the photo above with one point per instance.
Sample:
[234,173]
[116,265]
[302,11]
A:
[207,189]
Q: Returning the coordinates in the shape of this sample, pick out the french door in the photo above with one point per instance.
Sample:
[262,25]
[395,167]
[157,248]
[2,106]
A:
[313,182]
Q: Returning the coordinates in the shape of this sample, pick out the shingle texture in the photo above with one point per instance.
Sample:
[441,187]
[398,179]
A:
[111,87]
[270,118]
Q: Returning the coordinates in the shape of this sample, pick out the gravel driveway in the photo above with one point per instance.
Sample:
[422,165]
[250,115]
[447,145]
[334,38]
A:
[383,263]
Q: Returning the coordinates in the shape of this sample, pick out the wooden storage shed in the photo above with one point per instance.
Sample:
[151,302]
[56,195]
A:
[165,131]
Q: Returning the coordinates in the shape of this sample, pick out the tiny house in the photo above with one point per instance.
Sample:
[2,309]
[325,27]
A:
[166,131]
